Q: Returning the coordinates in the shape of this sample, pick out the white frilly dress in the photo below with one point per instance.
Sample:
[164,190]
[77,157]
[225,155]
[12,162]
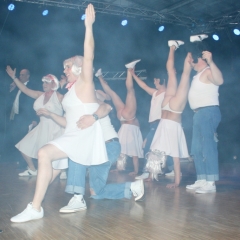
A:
[44,132]
[86,146]
[131,141]
[170,138]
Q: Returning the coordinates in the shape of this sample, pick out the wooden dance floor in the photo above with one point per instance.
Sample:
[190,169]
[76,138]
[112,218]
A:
[165,214]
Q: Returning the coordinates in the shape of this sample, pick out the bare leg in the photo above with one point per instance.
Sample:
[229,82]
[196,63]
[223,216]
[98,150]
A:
[130,109]
[46,155]
[179,101]
[29,162]
[55,173]
[172,79]
[177,172]
[119,105]
[135,166]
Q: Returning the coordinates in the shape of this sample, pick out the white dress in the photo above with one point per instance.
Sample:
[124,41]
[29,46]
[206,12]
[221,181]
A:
[86,146]
[170,138]
[44,132]
[131,141]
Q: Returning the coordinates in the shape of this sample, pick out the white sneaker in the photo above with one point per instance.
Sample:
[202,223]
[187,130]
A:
[98,73]
[28,214]
[176,43]
[171,174]
[198,38]
[76,203]
[137,189]
[145,175]
[132,64]
[196,185]
[207,188]
[28,173]
[63,175]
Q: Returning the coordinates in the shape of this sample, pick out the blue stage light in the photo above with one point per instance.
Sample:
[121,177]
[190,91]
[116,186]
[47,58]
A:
[83,17]
[45,12]
[124,22]
[11,7]
[236,31]
[161,28]
[215,37]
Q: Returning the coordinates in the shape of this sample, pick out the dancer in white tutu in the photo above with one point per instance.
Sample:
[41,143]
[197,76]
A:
[169,136]
[82,146]
[47,129]
[129,134]
[155,114]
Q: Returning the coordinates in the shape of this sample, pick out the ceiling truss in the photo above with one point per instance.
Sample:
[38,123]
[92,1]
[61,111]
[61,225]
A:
[121,75]
[145,14]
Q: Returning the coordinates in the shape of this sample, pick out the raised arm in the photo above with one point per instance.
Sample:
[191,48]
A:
[142,84]
[216,75]
[87,67]
[31,93]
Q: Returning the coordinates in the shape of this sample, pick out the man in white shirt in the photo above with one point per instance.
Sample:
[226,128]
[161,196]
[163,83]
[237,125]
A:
[203,99]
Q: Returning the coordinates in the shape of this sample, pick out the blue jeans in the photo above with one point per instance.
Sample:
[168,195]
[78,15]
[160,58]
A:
[98,175]
[153,127]
[204,142]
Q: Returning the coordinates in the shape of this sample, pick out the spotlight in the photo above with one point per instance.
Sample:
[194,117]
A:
[161,28]
[124,22]
[11,7]
[83,17]
[215,37]
[236,31]
[45,12]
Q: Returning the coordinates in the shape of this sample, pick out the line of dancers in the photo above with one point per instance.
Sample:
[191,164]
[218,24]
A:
[90,142]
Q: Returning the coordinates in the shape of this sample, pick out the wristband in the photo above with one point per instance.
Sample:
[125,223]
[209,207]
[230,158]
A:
[95,116]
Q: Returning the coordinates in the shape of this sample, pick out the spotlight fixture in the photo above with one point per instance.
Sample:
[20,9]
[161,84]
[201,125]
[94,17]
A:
[124,22]
[215,37]
[11,7]
[83,17]
[236,31]
[161,28]
[45,12]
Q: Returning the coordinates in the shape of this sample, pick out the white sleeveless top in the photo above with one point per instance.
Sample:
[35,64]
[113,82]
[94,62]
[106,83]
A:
[84,146]
[202,94]
[107,128]
[53,105]
[156,106]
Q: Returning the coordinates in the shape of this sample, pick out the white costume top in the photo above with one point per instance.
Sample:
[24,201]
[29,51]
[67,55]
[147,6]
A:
[45,131]
[202,94]
[156,106]
[86,146]
[169,138]
[107,128]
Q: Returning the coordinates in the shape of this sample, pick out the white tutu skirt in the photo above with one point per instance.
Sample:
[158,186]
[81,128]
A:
[44,132]
[131,141]
[170,138]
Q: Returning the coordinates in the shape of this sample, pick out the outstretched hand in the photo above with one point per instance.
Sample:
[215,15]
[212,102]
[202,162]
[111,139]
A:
[11,72]
[131,70]
[89,15]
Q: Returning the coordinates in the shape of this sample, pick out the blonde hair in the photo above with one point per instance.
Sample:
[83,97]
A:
[51,78]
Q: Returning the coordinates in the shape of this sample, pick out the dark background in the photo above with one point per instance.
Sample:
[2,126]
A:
[29,40]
